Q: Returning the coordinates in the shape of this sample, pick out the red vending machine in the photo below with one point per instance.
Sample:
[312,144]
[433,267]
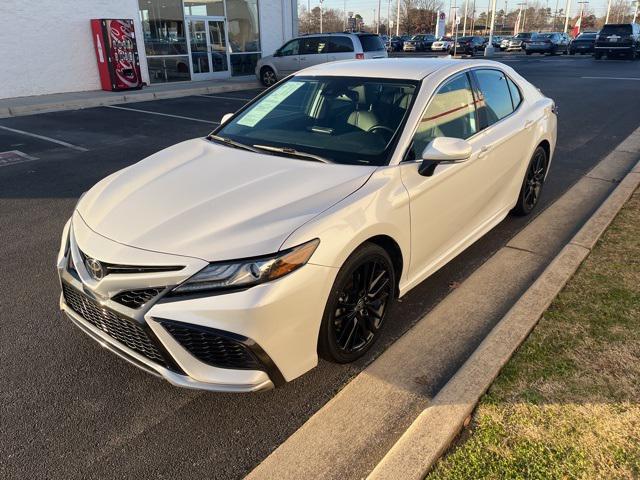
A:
[117,54]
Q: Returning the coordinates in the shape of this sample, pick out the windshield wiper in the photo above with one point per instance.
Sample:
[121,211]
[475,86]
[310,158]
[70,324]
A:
[293,152]
[230,143]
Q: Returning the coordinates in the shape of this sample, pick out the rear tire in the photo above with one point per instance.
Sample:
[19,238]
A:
[357,306]
[533,182]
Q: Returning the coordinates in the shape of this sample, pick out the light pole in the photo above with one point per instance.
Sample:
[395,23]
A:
[344,26]
[566,16]
[517,29]
[378,26]
[398,20]
[635,15]
[524,16]
[608,11]
[464,24]
[321,15]
[489,50]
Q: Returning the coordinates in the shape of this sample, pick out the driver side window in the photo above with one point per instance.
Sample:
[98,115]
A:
[451,113]
[290,48]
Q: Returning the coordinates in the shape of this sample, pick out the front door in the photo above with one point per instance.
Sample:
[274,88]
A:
[208,47]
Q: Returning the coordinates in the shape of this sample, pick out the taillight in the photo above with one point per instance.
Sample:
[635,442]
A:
[359,56]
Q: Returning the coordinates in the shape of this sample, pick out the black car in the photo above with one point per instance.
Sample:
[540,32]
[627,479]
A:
[549,43]
[618,39]
[583,43]
[470,45]
[394,44]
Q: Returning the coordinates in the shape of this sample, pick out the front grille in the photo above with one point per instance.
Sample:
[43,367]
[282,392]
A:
[122,329]
[136,298]
[208,346]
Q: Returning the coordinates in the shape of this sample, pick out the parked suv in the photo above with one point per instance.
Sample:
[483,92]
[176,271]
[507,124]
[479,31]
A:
[519,42]
[309,50]
[618,39]
[550,43]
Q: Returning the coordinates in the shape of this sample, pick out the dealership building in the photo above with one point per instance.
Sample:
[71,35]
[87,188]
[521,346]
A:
[177,40]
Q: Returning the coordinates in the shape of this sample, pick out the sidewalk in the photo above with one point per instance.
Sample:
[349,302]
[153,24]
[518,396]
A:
[566,405]
[13,107]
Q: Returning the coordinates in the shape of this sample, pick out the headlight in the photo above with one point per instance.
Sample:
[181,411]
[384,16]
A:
[249,272]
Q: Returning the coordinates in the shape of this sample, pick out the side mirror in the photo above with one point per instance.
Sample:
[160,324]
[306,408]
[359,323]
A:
[443,150]
[225,118]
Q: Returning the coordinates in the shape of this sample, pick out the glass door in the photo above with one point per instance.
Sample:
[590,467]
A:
[208,47]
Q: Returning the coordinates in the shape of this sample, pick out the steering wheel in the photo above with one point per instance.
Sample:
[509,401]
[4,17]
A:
[383,128]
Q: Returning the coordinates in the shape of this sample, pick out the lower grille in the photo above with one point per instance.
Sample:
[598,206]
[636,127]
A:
[122,329]
[208,346]
[136,298]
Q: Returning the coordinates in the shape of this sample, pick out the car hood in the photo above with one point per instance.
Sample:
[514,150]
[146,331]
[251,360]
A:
[214,202]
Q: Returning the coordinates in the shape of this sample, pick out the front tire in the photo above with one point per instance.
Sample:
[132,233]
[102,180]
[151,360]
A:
[533,182]
[357,305]
[267,76]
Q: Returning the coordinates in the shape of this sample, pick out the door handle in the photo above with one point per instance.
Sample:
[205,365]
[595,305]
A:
[484,150]
[528,124]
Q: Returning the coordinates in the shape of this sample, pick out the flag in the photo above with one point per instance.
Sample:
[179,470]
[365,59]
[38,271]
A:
[575,31]
[516,27]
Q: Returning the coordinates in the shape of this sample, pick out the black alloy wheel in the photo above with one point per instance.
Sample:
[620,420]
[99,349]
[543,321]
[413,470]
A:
[533,182]
[268,76]
[357,306]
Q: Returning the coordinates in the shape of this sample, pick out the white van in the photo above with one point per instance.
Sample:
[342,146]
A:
[309,50]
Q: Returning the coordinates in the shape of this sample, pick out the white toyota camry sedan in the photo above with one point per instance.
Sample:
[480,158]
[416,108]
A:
[233,262]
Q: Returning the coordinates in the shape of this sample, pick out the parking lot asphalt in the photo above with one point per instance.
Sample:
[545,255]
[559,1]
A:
[70,409]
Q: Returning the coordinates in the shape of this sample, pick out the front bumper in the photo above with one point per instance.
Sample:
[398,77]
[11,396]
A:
[271,329]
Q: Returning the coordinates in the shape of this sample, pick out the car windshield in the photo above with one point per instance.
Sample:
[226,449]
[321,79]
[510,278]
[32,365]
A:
[464,39]
[347,120]
[523,35]
[542,36]
[616,30]
[416,37]
[586,36]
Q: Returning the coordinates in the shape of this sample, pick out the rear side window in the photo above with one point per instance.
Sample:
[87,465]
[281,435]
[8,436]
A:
[616,30]
[340,45]
[451,113]
[497,97]
[516,96]
[371,43]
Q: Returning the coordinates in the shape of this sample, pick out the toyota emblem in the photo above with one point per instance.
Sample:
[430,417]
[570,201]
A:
[94,267]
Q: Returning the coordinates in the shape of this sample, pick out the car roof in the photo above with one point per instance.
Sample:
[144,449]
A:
[393,68]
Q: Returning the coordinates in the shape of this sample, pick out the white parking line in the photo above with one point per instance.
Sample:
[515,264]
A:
[162,114]
[614,78]
[47,139]
[225,98]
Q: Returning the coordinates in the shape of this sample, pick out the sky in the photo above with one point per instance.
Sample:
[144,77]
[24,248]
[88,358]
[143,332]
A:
[366,7]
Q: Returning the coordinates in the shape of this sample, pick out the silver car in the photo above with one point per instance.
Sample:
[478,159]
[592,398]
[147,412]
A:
[309,50]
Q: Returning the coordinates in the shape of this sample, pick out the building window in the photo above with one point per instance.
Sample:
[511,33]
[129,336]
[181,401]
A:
[214,8]
[243,25]
[244,63]
[164,40]
[244,35]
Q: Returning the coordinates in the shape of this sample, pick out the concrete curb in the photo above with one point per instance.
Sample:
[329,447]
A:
[104,98]
[431,434]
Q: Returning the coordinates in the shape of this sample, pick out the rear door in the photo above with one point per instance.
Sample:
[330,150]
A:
[505,136]
[372,46]
[313,51]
